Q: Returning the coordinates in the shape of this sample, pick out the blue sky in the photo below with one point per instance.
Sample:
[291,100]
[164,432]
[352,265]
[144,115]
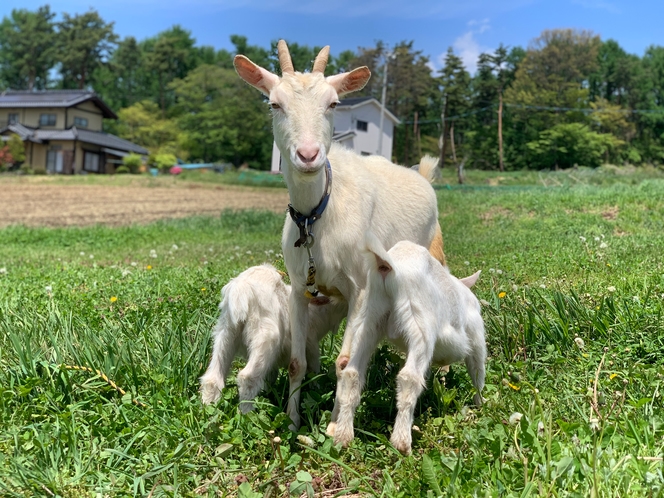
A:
[469,26]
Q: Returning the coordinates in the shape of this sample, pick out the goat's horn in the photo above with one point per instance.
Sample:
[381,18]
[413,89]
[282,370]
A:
[321,60]
[284,58]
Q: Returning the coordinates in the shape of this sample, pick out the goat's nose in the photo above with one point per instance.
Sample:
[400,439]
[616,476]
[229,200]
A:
[308,153]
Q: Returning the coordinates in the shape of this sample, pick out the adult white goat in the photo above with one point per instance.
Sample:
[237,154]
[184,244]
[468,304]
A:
[368,192]
[254,323]
[425,311]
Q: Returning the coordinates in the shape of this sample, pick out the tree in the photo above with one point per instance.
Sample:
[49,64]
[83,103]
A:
[86,42]
[122,82]
[143,124]
[455,87]
[222,118]
[27,48]
[169,56]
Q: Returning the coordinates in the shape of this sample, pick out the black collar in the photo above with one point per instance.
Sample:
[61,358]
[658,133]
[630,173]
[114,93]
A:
[304,222]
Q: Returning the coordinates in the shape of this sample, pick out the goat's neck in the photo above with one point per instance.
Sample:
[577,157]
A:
[305,191]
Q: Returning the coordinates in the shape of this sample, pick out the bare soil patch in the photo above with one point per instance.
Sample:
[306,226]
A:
[61,203]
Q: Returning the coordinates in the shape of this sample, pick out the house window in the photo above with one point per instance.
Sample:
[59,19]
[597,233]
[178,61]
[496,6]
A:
[80,122]
[47,120]
[362,125]
[12,118]
[91,162]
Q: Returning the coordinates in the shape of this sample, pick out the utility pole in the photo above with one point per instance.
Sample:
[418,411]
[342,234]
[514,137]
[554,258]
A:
[500,129]
[442,143]
[382,107]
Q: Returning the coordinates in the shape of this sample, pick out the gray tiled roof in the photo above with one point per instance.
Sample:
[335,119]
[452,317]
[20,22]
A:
[353,101]
[110,141]
[52,98]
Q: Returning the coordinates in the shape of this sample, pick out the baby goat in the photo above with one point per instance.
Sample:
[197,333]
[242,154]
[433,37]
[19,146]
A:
[413,301]
[254,322]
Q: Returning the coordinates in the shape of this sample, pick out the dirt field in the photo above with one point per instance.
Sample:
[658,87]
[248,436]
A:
[58,202]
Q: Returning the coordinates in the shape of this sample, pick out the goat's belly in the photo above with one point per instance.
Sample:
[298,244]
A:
[330,291]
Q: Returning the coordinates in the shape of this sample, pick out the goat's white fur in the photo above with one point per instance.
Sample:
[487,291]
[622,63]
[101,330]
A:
[368,192]
[432,316]
[254,323]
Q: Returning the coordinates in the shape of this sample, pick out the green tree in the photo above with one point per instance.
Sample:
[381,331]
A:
[27,48]
[170,55]
[222,118]
[455,89]
[569,144]
[86,42]
[123,81]
[143,124]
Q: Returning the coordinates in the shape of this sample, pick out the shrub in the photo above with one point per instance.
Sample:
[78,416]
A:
[6,158]
[16,148]
[132,162]
[122,170]
[164,161]
[39,170]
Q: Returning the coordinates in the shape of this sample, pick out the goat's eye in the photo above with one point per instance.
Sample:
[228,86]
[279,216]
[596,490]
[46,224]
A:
[274,105]
[333,105]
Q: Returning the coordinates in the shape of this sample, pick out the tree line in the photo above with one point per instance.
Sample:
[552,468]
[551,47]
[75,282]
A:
[568,98]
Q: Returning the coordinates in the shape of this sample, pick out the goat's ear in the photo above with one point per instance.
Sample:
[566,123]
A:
[256,76]
[350,82]
[470,281]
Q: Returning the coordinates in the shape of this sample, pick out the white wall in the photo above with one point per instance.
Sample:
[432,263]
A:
[345,119]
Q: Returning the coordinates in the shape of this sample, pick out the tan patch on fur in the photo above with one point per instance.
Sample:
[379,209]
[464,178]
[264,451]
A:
[611,213]
[436,247]
[293,368]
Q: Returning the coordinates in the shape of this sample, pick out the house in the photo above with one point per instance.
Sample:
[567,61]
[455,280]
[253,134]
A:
[357,126]
[62,130]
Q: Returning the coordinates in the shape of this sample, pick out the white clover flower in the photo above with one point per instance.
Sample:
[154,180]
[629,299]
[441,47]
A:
[583,239]
[484,302]
[305,440]
[175,247]
[596,239]
[467,263]
[492,270]
[236,248]
[270,251]
[542,286]
[515,287]
[211,249]
[125,273]
[82,253]
[48,288]
[3,271]
[636,299]
[153,253]
[133,263]
[92,256]
[603,245]
[515,418]
[611,288]
[499,272]
[248,252]
[579,342]
[594,424]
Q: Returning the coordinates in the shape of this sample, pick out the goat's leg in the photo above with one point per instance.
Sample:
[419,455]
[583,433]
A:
[263,357]
[352,323]
[476,360]
[410,384]
[226,343]
[297,368]
[351,381]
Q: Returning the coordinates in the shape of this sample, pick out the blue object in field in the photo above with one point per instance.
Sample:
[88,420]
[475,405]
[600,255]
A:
[197,166]
[154,171]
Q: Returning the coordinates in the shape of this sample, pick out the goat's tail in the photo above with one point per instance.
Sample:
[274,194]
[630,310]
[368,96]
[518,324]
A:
[235,301]
[427,168]
[378,257]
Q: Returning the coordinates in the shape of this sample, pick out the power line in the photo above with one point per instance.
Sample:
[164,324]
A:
[539,108]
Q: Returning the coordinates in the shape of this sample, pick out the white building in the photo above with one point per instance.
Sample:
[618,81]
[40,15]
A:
[357,126]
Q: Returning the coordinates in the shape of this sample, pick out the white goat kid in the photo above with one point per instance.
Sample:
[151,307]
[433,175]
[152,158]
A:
[254,323]
[415,303]
[367,192]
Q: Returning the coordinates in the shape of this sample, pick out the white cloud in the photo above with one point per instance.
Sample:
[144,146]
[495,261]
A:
[467,47]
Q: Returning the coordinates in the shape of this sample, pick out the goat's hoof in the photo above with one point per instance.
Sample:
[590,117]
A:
[402,446]
[331,429]
[344,437]
[246,407]
[210,394]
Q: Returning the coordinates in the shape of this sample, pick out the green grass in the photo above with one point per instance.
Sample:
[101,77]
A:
[96,298]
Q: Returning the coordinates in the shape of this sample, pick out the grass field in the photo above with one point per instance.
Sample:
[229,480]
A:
[573,298]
